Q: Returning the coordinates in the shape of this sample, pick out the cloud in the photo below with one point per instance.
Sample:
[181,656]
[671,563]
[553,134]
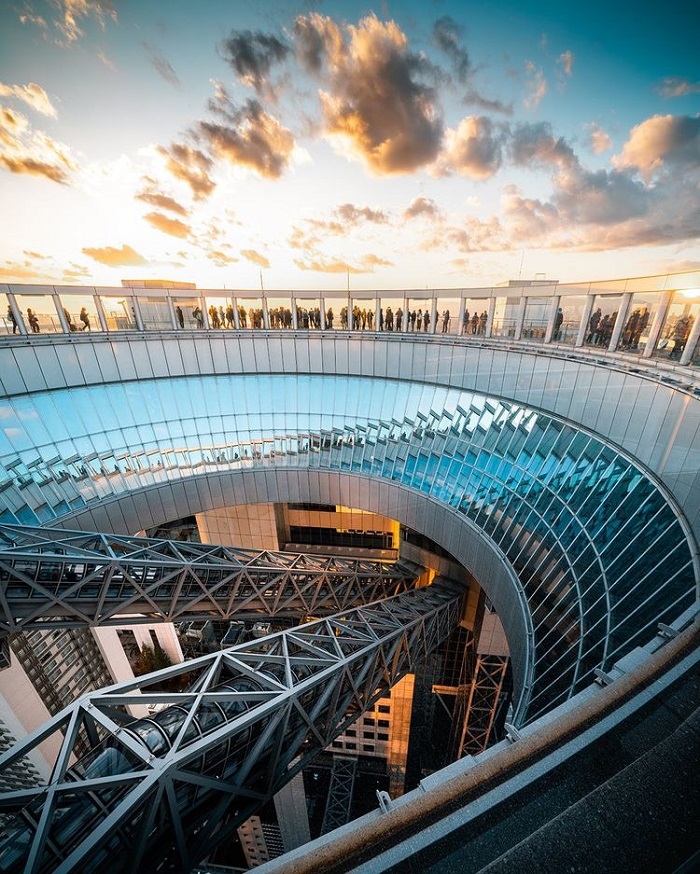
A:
[248,137]
[31,94]
[107,62]
[162,65]
[168,225]
[255,257]
[154,197]
[473,98]
[534,145]
[123,257]
[536,85]
[251,56]
[600,140]
[323,266]
[353,215]
[374,98]
[663,142]
[69,17]
[421,206]
[26,151]
[370,261]
[220,259]
[191,166]
[447,36]
[566,62]
[475,149]
[676,86]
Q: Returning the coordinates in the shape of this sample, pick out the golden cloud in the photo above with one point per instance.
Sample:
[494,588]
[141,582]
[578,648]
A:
[255,257]
[31,94]
[112,257]
[168,225]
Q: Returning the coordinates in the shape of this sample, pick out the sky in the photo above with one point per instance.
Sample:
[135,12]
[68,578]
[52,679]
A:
[321,145]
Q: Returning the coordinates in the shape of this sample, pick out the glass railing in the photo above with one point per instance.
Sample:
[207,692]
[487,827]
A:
[646,317]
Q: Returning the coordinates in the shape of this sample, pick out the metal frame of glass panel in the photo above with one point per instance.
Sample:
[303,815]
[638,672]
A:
[599,548]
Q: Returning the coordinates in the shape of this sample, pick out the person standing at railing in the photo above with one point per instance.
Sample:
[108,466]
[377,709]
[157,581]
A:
[85,319]
[180,317]
[11,319]
[33,321]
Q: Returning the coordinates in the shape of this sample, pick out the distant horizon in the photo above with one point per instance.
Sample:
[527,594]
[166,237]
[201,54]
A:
[403,145]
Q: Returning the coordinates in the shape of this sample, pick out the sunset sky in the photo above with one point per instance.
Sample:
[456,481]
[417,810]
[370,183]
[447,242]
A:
[307,145]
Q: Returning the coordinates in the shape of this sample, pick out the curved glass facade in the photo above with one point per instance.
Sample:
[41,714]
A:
[600,552]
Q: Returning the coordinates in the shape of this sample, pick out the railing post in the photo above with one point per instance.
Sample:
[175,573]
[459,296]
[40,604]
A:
[691,343]
[63,321]
[520,318]
[489,320]
[585,318]
[171,310]
[554,305]
[17,313]
[658,323]
[620,321]
[136,308]
[99,309]
[460,315]
[433,314]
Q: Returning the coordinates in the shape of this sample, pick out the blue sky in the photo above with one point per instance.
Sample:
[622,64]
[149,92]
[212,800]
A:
[306,145]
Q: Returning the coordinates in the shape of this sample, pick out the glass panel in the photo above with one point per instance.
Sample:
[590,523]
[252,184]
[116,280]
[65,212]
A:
[279,310]
[418,309]
[640,318]
[119,313]
[7,326]
[572,307]
[603,318]
[363,313]
[39,313]
[677,327]
[536,318]
[505,316]
[216,310]
[185,312]
[476,312]
[391,313]
[447,312]
[308,314]
[155,313]
[80,312]
[250,313]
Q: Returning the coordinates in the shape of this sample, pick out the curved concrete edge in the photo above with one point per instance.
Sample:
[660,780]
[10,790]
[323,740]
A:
[335,850]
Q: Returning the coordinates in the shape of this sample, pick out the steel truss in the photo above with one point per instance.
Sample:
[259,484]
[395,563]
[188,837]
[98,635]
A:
[159,793]
[67,579]
[482,697]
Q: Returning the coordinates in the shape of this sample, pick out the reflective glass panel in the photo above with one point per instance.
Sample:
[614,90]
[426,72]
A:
[7,319]
[602,320]
[279,311]
[536,318]
[80,312]
[39,313]
[363,314]
[216,311]
[186,312]
[119,313]
[391,313]
[250,313]
[475,317]
[681,316]
[568,322]
[155,313]
[308,314]
[505,316]
[447,315]
[419,314]
[640,317]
